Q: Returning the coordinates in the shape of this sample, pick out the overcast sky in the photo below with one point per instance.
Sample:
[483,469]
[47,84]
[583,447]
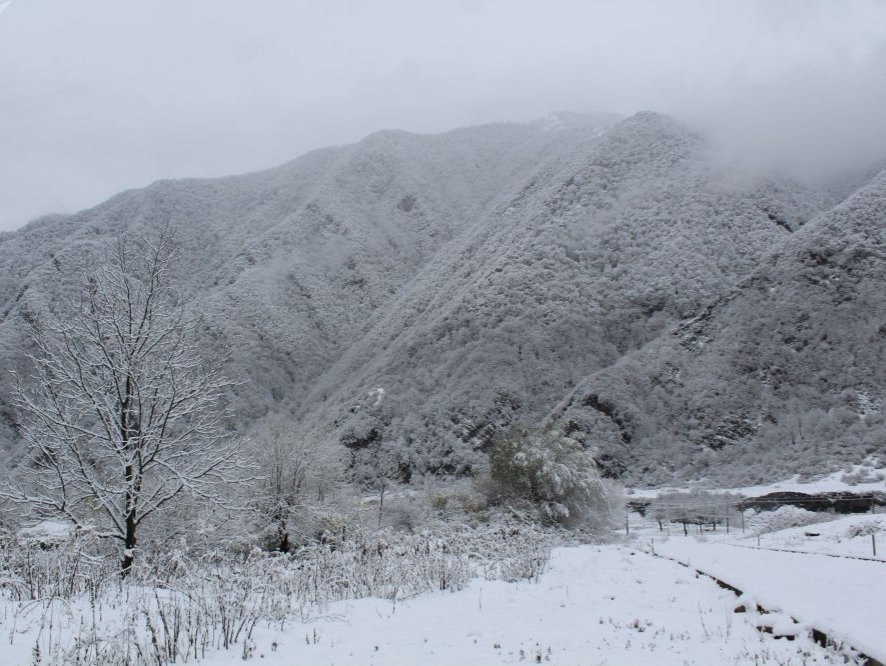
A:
[97,96]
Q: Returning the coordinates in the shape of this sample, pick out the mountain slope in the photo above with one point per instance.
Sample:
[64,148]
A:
[288,263]
[605,246]
[403,299]
[783,374]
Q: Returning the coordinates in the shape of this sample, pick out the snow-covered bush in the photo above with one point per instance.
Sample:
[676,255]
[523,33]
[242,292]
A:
[456,499]
[296,484]
[177,606]
[783,518]
[552,473]
[862,475]
[33,569]
[866,528]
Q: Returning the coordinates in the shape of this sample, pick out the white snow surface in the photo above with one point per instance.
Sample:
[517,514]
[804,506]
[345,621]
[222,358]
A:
[605,604]
[873,475]
[48,531]
[840,596]
[861,479]
[846,536]
[595,605]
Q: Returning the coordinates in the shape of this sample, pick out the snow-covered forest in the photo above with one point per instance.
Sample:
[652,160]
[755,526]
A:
[404,300]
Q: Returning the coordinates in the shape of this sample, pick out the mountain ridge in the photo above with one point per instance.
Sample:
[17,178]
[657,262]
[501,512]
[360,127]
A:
[404,299]
[788,389]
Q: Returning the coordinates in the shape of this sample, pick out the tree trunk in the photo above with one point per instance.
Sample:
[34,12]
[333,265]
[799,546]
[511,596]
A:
[129,544]
[285,546]
[129,538]
[132,488]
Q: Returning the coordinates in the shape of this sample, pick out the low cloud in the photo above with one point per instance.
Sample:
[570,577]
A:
[99,96]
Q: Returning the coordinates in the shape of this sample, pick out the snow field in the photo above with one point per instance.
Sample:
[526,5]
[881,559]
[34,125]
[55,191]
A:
[452,597]
[867,477]
[839,596]
[65,603]
[845,536]
[595,605]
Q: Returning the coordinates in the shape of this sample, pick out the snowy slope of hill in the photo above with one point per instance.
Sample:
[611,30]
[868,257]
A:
[783,374]
[288,263]
[403,299]
[604,247]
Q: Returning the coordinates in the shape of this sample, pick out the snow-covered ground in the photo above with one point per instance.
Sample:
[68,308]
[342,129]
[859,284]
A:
[840,596]
[846,536]
[595,605]
[865,478]
[822,572]
[788,529]
[812,572]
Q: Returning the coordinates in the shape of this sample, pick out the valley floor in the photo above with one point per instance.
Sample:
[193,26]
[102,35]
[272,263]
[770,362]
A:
[642,601]
[610,604]
[823,576]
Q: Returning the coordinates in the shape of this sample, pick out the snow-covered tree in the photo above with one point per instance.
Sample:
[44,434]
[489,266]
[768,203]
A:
[296,483]
[554,472]
[124,414]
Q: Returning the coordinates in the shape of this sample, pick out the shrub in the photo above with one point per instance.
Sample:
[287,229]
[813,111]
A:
[551,474]
[784,518]
[866,528]
[178,606]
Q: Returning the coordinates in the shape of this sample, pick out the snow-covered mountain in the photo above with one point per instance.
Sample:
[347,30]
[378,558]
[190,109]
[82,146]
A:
[404,298]
[289,264]
[782,374]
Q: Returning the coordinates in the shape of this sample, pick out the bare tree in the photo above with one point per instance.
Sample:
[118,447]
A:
[124,415]
[298,481]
